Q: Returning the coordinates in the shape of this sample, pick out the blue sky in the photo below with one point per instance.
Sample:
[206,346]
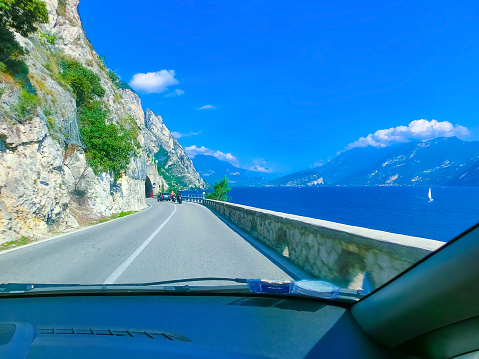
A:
[284,85]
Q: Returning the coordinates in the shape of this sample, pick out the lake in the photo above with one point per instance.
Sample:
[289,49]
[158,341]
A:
[404,210]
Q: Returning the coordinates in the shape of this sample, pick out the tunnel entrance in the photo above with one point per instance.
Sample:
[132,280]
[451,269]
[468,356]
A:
[148,188]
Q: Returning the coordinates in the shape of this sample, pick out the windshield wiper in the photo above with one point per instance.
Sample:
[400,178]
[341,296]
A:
[8,289]
[308,288]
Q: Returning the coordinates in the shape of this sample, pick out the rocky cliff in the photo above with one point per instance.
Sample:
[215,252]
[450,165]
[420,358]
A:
[173,163]
[47,182]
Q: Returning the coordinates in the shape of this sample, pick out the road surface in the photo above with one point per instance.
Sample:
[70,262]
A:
[167,241]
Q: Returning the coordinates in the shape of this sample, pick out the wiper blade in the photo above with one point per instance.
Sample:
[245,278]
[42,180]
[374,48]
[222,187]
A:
[23,287]
[202,279]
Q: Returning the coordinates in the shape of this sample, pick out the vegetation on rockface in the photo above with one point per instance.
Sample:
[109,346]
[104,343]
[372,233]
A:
[115,79]
[28,102]
[26,105]
[168,174]
[108,145]
[221,190]
[18,70]
[173,182]
[62,8]
[84,83]
[49,38]
[21,16]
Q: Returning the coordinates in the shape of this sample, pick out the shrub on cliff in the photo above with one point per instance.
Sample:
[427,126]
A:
[26,106]
[84,82]
[21,16]
[108,145]
[221,189]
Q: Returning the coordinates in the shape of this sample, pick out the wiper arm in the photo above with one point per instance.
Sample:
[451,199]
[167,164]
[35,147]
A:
[310,288]
[21,288]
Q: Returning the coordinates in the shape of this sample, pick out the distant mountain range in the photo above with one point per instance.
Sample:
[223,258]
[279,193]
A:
[441,161]
[212,169]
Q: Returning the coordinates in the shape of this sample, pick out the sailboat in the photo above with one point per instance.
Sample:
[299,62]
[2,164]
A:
[429,195]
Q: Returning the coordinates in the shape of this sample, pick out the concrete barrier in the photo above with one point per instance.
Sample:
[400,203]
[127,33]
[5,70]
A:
[329,251]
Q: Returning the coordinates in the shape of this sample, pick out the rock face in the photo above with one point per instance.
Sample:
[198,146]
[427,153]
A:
[46,183]
[178,168]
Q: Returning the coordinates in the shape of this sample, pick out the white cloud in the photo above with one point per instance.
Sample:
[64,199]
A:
[259,166]
[177,92]
[154,82]
[422,130]
[179,134]
[192,151]
[207,107]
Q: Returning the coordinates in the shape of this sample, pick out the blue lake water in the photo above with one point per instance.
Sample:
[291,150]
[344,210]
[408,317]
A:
[404,210]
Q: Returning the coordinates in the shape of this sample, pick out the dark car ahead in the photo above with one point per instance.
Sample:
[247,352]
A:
[164,197]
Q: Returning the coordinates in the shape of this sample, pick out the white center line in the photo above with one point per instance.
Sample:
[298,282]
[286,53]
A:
[114,276]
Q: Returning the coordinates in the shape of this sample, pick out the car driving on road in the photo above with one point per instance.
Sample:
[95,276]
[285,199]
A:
[164,197]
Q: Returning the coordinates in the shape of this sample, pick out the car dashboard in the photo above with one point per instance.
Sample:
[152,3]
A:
[179,326]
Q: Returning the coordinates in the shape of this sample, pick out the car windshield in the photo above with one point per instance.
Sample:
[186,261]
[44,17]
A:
[290,148]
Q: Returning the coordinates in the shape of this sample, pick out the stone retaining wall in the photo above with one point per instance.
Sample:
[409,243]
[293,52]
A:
[330,251]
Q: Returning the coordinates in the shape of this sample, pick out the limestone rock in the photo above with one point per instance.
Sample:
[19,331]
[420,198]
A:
[133,105]
[176,161]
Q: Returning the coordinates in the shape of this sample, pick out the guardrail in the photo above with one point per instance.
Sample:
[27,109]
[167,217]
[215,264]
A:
[193,198]
[338,253]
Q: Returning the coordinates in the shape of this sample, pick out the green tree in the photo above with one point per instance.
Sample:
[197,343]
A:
[113,76]
[21,16]
[221,189]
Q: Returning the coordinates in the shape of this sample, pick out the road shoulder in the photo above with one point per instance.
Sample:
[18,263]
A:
[83,228]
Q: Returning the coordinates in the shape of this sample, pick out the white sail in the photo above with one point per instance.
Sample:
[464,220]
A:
[429,194]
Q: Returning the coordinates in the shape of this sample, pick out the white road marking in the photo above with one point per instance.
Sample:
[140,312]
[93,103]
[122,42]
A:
[114,276]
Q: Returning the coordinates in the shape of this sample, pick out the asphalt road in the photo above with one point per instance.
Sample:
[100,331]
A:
[167,241]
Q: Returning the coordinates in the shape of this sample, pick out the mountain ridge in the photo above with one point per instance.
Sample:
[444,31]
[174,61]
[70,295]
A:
[440,161]
[212,170]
